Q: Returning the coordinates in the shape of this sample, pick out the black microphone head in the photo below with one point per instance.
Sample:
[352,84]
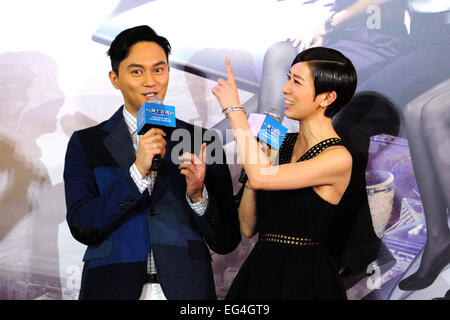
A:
[274,114]
[155,100]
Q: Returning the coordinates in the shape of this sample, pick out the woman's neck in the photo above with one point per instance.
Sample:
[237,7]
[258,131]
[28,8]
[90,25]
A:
[312,131]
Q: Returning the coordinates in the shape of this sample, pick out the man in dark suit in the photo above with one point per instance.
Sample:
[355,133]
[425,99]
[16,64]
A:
[146,230]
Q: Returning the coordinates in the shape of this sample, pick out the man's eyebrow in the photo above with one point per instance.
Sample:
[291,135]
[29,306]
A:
[160,63]
[136,65]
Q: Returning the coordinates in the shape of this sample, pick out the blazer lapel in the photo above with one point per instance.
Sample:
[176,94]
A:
[119,144]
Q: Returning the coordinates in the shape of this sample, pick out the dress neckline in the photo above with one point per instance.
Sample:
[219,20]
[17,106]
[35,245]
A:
[318,148]
[287,148]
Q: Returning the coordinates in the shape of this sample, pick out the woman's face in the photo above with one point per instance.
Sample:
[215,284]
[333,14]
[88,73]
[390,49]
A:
[299,93]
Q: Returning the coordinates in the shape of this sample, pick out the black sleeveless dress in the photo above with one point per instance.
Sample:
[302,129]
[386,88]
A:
[289,261]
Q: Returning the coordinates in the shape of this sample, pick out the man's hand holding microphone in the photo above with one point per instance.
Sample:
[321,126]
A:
[156,121]
[150,144]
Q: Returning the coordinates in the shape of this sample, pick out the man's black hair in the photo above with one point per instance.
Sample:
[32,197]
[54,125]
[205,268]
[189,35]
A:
[121,45]
[331,71]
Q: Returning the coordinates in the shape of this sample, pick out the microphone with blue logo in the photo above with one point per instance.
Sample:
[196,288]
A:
[154,114]
[266,128]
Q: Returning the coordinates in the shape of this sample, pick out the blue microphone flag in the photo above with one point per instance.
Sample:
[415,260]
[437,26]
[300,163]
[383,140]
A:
[267,129]
[155,115]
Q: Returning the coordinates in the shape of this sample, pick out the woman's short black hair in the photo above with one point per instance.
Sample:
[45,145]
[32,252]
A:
[331,71]
[126,39]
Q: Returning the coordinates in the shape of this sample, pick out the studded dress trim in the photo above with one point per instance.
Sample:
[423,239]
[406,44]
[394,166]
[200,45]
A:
[281,238]
[288,147]
[318,148]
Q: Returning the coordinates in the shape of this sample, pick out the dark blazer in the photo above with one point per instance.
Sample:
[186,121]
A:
[106,212]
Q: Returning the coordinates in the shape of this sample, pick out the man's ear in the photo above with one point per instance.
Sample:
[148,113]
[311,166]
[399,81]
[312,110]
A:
[114,79]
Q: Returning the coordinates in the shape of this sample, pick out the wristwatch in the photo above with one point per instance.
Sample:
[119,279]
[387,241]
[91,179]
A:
[329,25]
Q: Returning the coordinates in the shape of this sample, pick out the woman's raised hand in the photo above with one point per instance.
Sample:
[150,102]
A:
[226,90]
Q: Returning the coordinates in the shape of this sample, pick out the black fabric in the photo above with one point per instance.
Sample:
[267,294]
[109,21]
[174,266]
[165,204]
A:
[276,270]
[151,278]
[198,250]
[126,284]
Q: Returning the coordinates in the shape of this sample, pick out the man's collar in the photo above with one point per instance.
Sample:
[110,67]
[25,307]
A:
[130,120]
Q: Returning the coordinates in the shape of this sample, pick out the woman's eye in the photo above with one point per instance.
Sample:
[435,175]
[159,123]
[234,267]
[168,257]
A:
[290,78]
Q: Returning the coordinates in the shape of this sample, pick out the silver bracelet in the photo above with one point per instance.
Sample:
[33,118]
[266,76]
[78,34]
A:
[232,108]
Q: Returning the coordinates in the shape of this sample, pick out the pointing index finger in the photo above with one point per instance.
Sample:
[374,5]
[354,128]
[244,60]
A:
[229,70]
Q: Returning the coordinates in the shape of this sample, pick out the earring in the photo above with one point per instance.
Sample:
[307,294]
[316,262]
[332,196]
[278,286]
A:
[322,106]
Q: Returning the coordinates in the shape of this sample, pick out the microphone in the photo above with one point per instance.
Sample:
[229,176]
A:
[267,128]
[154,114]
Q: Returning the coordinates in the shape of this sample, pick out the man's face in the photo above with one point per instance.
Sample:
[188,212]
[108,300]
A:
[143,74]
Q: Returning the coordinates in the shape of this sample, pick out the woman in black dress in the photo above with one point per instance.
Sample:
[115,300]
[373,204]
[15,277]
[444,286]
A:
[290,205]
